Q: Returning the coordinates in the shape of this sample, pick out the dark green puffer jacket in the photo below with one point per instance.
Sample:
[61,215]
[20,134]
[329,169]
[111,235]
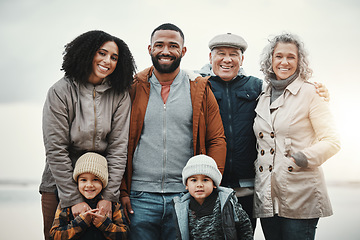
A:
[237,100]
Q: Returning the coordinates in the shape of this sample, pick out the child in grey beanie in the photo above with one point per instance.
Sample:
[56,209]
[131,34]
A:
[199,214]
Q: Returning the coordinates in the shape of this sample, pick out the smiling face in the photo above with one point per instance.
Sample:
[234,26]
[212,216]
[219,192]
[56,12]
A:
[226,62]
[200,187]
[89,185]
[284,60]
[104,62]
[166,51]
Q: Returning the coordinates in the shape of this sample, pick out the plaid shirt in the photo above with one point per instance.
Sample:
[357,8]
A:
[65,226]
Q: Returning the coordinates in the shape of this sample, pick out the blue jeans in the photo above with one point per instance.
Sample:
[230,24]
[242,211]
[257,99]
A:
[153,216]
[279,228]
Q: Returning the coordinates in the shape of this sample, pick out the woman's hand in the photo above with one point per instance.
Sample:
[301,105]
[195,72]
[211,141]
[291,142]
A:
[106,206]
[80,208]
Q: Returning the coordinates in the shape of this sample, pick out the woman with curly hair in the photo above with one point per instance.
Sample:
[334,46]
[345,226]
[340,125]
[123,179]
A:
[87,110]
[295,135]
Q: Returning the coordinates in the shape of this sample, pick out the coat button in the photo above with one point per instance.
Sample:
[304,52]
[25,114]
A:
[272,151]
[272,135]
[262,152]
[270,168]
[260,168]
[290,168]
[261,135]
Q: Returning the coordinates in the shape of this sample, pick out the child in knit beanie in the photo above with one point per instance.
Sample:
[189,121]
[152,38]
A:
[209,211]
[91,174]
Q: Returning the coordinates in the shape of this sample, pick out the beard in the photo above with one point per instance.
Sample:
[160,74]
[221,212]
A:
[165,68]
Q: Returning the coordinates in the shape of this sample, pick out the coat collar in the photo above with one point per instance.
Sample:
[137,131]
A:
[295,86]
[293,89]
[263,108]
[144,75]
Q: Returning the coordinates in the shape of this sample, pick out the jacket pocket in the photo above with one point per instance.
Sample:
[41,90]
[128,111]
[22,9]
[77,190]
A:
[247,95]
[136,194]
[295,183]
[289,165]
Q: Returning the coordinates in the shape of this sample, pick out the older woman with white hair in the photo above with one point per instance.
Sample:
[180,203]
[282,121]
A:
[295,135]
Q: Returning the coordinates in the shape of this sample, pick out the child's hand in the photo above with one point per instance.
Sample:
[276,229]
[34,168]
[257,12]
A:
[98,216]
[107,207]
[87,214]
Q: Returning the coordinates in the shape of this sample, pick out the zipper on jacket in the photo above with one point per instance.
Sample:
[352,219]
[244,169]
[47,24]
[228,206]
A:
[95,119]
[164,150]
[229,105]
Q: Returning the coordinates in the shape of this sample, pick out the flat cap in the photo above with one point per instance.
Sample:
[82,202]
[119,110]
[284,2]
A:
[228,40]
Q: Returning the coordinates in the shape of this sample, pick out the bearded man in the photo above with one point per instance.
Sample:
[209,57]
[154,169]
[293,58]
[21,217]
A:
[174,116]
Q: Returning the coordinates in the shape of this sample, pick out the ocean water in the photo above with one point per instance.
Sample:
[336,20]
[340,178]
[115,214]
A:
[20,209]
[21,218]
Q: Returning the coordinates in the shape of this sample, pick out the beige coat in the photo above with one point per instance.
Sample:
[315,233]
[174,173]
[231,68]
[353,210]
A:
[300,121]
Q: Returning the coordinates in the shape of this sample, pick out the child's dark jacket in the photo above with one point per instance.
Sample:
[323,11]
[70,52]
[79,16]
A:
[234,226]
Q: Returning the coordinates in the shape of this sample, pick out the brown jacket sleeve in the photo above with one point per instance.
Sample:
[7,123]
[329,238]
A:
[215,137]
[208,130]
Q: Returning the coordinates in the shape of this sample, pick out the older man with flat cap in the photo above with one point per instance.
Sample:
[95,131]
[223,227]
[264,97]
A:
[237,96]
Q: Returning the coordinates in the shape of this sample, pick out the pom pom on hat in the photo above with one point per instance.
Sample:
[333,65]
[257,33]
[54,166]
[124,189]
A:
[92,163]
[228,40]
[204,165]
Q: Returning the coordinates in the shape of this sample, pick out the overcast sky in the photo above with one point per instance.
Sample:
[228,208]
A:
[33,35]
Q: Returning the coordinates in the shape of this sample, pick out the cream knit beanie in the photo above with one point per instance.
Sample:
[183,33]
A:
[92,163]
[204,165]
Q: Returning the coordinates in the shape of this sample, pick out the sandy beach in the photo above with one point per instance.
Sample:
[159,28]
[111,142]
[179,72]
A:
[20,208]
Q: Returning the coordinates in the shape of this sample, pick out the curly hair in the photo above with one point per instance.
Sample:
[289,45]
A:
[303,68]
[79,54]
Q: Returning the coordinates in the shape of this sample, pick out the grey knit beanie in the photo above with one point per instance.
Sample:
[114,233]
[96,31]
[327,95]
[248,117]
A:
[204,165]
[92,163]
